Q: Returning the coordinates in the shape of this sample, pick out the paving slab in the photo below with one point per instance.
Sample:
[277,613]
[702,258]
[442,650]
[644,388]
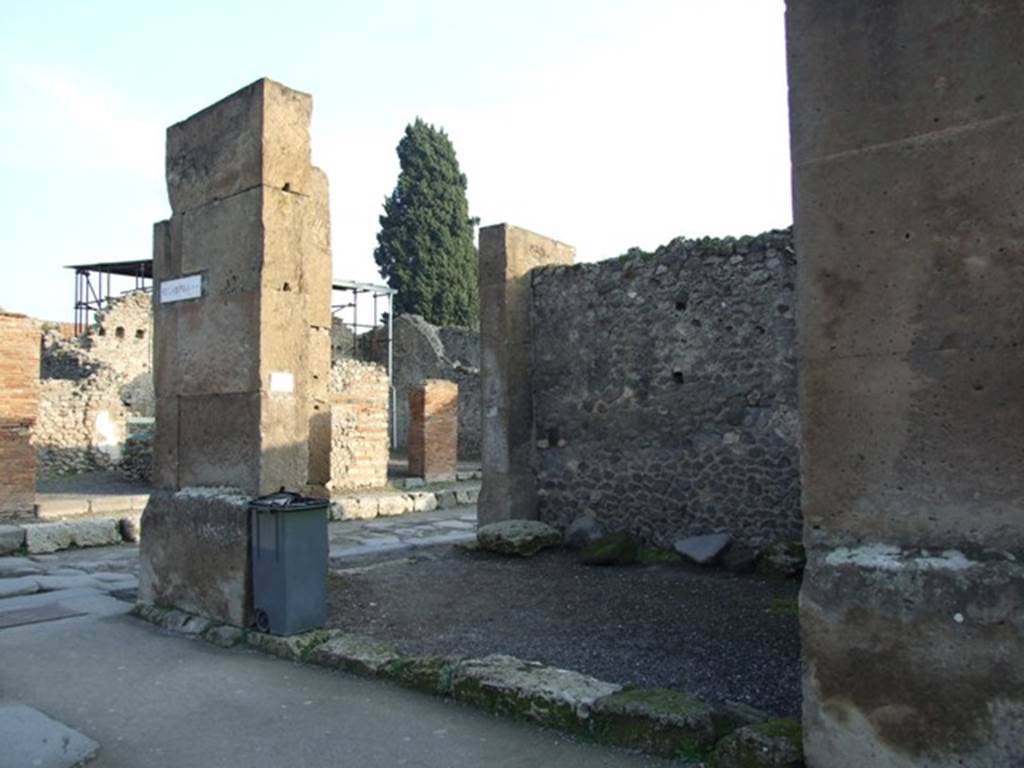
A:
[21,585]
[30,738]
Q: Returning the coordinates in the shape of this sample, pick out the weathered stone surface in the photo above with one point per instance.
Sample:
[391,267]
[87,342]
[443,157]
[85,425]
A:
[195,554]
[12,538]
[782,559]
[299,647]
[665,390]
[772,744]
[518,537]
[359,395]
[430,674]
[95,533]
[507,254]
[257,136]
[30,738]
[224,635]
[619,548]
[657,721]
[19,407]
[354,653]
[47,537]
[506,685]
[20,585]
[582,531]
[703,550]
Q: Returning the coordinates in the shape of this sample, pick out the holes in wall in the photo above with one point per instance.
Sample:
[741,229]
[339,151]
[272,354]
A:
[140,333]
[677,377]
[119,332]
[286,287]
[287,186]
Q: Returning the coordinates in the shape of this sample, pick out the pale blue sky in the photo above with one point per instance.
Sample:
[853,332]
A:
[603,124]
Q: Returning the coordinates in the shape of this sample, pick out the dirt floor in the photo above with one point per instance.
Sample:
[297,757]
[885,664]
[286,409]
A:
[718,636]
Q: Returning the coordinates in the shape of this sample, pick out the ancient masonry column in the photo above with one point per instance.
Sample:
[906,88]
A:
[907,126]
[434,430]
[242,341]
[507,254]
[19,407]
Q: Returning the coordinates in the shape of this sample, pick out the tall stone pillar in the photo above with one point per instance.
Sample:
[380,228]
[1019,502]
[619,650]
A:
[907,123]
[242,276]
[434,430]
[19,408]
[507,254]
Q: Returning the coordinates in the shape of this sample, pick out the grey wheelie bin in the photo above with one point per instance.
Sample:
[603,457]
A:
[289,562]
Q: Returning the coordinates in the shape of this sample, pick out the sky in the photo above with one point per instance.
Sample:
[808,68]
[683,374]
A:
[606,124]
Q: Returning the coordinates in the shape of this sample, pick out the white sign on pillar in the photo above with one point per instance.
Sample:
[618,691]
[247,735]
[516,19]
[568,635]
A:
[181,289]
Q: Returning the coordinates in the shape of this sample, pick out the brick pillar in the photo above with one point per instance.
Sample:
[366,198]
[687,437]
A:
[907,123]
[19,406]
[434,430]
[507,254]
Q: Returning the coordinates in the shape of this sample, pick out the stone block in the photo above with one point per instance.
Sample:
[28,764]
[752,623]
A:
[888,633]
[877,73]
[703,550]
[524,538]
[354,508]
[772,744]
[12,538]
[195,554]
[256,136]
[505,685]
[929,438]
[507,254]
[218,345]
[31,738]
[219,441]
[95,533]
[656,721]
[390,505]
[47,537]
[58,509]
[225,242]
[356,654]
[934,264]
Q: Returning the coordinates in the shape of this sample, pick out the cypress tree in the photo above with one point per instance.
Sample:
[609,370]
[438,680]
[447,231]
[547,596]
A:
[425,244]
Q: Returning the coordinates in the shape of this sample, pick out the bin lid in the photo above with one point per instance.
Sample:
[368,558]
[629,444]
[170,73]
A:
[287,501]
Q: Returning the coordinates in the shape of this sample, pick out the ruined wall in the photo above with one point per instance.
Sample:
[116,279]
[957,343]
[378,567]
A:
[665,390]
[19,402]
[359,425]
[92,387]
[424,351]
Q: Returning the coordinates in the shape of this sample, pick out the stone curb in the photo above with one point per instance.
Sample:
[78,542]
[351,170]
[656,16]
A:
[658,722]
[373,503]
[45,537]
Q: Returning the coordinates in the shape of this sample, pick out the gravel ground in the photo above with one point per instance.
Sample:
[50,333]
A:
[720,637]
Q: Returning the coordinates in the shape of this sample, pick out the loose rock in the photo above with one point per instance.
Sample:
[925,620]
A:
[584,530]
[703,550]
[518,537]
[12,538]
[658,721]
[617,549]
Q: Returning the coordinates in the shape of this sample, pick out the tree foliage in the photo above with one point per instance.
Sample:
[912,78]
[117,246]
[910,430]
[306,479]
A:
[425,245]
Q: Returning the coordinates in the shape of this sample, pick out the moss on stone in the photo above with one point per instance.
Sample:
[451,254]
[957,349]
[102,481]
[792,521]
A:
[430,674]
[656,720]
[771,744]
[654,556]
[615,549]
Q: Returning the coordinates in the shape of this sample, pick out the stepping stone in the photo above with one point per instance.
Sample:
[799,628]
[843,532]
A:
[23,585]
[30,738]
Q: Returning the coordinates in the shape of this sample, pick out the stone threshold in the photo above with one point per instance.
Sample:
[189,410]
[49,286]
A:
[659,722]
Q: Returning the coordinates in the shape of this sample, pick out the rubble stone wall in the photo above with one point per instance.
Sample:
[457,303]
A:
[665,390]
[92,387]
[359,425]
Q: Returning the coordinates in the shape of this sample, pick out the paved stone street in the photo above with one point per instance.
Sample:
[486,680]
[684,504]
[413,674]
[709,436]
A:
[150,698]
[353,538]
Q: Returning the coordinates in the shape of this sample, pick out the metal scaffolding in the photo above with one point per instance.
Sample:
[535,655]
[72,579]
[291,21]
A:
[362,300]
[93,286]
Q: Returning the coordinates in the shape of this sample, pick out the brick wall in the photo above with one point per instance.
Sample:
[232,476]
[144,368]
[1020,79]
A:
[359,425]
[433,430]
[19,404]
